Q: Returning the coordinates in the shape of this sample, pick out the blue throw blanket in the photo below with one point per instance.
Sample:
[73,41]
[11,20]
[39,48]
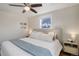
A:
[32,49]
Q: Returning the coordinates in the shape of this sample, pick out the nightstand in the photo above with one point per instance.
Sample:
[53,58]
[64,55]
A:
[71,47]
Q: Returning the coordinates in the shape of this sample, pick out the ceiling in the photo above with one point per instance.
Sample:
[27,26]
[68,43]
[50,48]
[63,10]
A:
[47,7]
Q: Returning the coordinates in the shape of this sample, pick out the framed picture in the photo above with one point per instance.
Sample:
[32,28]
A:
[46,22]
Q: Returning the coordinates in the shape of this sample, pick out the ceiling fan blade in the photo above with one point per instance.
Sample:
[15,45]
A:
[16,5]
[36,5]
[23,11]
[33,10]
[25,4]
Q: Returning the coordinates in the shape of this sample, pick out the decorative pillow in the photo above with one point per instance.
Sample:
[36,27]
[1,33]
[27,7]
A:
[52,35]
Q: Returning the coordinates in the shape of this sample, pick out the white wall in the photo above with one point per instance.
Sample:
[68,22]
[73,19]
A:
[67,19]
[10,27]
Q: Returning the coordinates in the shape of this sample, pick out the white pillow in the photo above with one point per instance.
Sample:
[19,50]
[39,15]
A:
[45,37]
[52,34]
[41,36]
[35,34]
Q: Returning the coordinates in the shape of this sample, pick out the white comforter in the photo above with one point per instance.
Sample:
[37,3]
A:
[9,49]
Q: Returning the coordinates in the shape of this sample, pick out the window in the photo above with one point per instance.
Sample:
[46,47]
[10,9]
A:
[46,22]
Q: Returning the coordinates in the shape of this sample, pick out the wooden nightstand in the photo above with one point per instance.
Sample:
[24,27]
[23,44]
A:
[71,48]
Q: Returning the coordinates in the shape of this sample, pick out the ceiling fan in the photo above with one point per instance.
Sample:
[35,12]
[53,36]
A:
[27,7]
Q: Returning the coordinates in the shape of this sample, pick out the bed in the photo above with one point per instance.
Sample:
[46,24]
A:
[43,48]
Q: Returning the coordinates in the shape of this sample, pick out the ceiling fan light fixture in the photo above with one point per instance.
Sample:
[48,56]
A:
[27,8]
